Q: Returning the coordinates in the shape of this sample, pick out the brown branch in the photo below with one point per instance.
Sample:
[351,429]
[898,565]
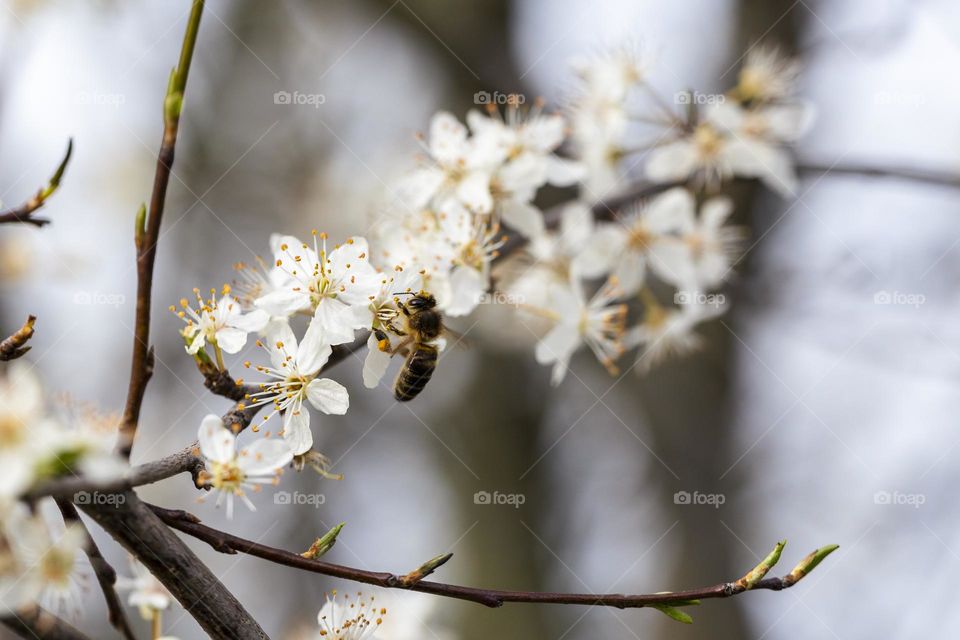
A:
[13,347]
[36,623]
[926,176]
[196,588]
[106,576]
[148,234]
[24,213]
[231,544]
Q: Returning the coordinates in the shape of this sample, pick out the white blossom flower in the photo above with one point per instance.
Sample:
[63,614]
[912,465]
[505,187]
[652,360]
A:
[547,261]
[21,415]
[81,441]
[292,379]
[230,472]
[599,116]
[54,566]
[528,140]
[731,141]
[626,248]
[598,323]
[667,332]
[766,76]
[146,592]
[701,255]
[221,323]
[461,170]
[335,287]
[473,243]
[350,619]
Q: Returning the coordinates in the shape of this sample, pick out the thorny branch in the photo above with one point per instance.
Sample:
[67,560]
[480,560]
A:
[228,543]
[16,345]
[24,213]
[148,233]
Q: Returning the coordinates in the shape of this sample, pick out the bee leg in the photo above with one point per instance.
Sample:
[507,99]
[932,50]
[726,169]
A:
[383,340]
[403,308]
[401,347]
[393,328]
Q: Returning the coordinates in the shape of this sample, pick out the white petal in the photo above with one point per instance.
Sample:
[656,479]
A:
[375,364]
[467,286]
[715,212]
[264,456]
[522,217]
[231,340]
[254,321]
[328,396]
[296,429]
[674,210]
[334,321]
[474,192]
[312,353]
[558,344]
[672,260]
[283,302]
[601,251]
[216,441]
[726,115]
[630,272]
[674,161]
[415,190]
[447,138]
[563,173]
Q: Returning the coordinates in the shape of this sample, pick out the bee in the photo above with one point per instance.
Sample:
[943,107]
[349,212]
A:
[424,324]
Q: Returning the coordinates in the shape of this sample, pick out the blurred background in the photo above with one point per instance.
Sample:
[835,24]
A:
[823,408]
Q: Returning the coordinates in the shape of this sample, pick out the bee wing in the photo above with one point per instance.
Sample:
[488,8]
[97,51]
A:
[455,338]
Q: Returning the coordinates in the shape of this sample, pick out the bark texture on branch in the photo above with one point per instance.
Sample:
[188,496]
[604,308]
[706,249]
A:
[134,525]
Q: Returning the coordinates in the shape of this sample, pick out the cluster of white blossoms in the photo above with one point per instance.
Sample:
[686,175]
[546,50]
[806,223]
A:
[40,443]
[586,275]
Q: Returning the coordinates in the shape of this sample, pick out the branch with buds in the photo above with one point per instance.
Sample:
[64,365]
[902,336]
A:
[24,213]
[16,345]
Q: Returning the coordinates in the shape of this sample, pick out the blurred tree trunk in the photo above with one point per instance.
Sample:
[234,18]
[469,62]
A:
[687,401]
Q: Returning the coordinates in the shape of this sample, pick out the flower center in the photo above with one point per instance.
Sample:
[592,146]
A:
[708,141]
[11,431]
[56,565]
[227,476]
[639,238]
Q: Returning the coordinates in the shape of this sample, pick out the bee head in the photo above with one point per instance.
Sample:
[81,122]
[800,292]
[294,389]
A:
[422,300]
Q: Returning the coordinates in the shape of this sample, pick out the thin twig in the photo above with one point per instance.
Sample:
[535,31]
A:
[38,623]
[913,174]
[24,213]
[148,233]
[106,576]
[15,346]
[229,543]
